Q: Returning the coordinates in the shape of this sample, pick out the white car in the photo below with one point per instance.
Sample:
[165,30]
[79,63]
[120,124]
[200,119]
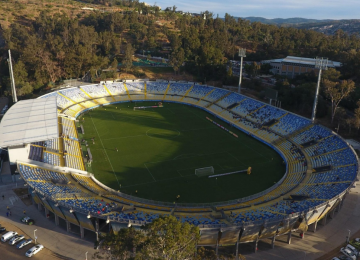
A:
[34,250]
[16,239]
[8,236]
[342,257]
[352,249]
[348,252]
[357,240]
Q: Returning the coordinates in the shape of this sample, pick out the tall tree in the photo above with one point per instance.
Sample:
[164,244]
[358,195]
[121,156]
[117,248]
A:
[121,245]
[165,238]
[168,238]
[357,117]
[331,74]
[127,61]
[25,89]
[336,92]
[177,59]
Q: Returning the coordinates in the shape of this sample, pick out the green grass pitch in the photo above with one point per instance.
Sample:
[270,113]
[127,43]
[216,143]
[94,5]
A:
[160,148]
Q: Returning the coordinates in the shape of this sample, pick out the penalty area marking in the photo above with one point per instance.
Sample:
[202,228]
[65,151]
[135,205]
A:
[193,168]
[227,134]
[104,149]
[149,171]
[223,174]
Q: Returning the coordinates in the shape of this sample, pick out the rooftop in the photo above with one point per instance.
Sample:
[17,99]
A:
[29,121]
[302,60]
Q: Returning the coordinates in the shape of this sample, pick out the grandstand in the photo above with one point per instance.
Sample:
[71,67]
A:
[320,166]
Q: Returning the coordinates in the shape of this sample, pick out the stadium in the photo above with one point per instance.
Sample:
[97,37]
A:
[117,154]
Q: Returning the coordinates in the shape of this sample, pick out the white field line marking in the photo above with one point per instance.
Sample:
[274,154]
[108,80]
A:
[159,133]
[112,115]
[179,173]
[185,169]
[149,171]
[236,158]
[122,137]
[228,134]
[170,110]
[222,168]
[150,182]
[191,155]
[129,136]
[104,155]
[104,149]
[187,157]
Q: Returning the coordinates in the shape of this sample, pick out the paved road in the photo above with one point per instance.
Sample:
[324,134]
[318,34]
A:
[11,252]
[63,245]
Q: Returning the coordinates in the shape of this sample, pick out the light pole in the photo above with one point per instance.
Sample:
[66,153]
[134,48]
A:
[348,237]
[321,64]
[35,235]
[242,53]
[86,255]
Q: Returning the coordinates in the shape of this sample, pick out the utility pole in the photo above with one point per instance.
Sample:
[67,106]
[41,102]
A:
[321,64]
[242,54]
[12,80]
[35,237]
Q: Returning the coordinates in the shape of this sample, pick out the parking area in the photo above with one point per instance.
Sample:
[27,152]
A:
[11,252]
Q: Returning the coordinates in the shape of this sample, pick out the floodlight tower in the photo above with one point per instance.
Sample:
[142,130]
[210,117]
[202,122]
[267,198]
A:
[12,81]
[242,53]
[321,64]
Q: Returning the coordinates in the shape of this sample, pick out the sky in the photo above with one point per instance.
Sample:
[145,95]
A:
[314,9]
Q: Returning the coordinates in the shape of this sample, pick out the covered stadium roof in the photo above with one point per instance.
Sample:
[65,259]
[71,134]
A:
[309,61]
[302,61]
[29,121]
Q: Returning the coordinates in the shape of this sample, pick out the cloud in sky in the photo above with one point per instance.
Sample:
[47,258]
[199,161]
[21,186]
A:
[317,9]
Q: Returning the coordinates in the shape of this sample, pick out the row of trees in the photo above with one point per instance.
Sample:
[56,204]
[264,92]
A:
[56,47]
[336,94]
[164,238]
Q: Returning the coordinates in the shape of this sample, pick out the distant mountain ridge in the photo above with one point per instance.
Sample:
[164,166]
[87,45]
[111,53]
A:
[326,26]
[280,21]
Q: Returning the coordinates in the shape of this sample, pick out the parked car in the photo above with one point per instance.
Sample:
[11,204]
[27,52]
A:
[16,239]
[27,220]
[34,250]
[24,243]
[7,236]
[353,249]
[342,257]
[357,240]
[2,229]
[348,252]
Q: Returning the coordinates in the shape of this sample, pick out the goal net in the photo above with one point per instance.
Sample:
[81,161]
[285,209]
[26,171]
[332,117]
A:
[206,171]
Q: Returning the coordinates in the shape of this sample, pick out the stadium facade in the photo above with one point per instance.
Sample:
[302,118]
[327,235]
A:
[321,167]
[292,66]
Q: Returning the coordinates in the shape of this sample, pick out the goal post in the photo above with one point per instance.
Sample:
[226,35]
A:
[145,107]
[139,108]
[206,171]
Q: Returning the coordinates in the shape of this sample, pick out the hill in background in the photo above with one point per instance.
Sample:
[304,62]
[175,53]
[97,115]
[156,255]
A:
[326,26]
[281,21]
